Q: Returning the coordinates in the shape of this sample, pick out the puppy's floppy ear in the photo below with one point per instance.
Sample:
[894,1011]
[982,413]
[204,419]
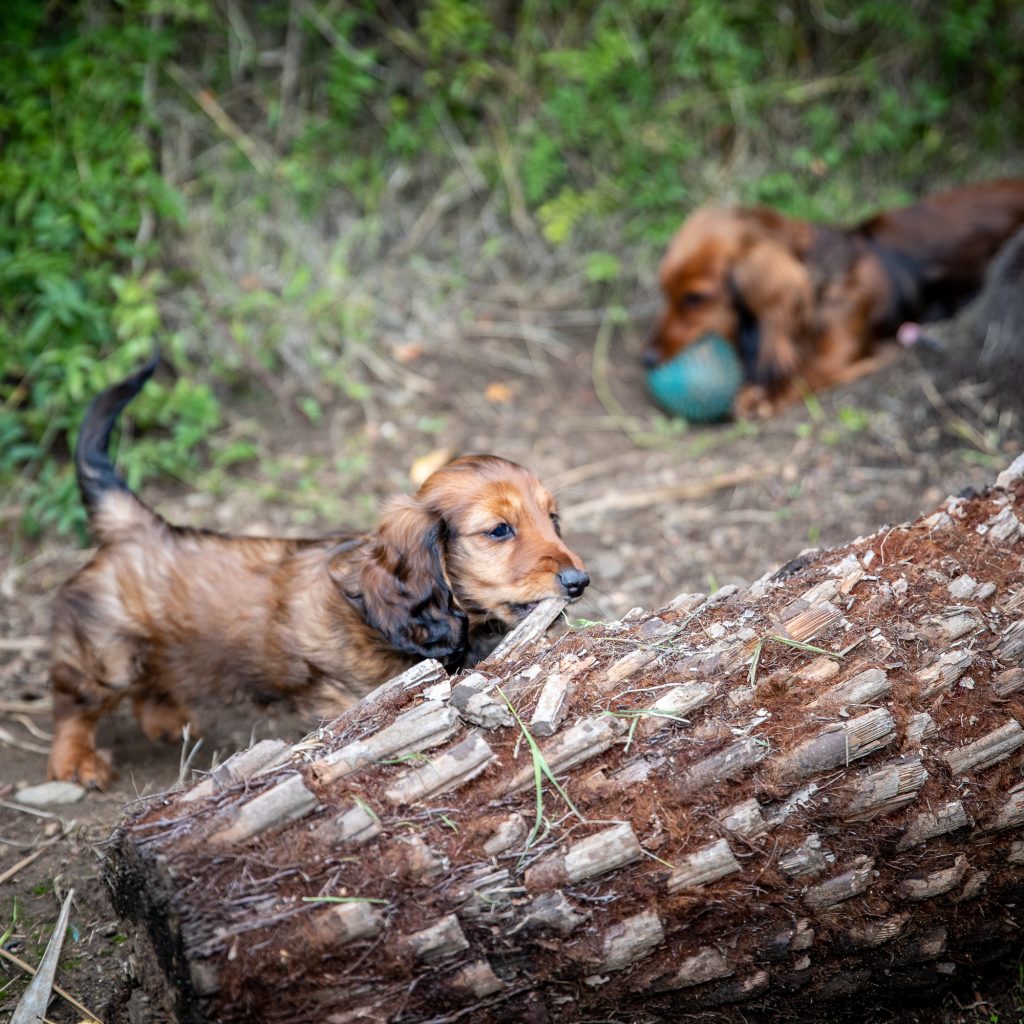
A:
[401,589]
[772,286]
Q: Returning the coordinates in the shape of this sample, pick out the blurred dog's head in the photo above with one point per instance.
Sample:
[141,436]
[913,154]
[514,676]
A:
[478,542]
[738,273]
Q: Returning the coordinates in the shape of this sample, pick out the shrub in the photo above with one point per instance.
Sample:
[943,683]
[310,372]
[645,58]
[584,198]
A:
[606,119]
[79,279]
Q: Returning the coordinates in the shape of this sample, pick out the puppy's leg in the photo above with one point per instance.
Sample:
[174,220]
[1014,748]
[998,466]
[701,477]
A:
[753,402]
[78,705]
[94,665]
[840,359]
[879,360]
[162,716]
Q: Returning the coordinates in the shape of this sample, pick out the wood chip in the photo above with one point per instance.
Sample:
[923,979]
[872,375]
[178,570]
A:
[445,771]
[865,687]
[605,851]
[840,746]
[343,923]
[421,675]
[843,887]
[704,866]
[884,790]
[630,940]
[877,933]
[929,824]
[935,884]
[709,963]
[438,941]
[587,738]
[990,749]
[284,802]
[552,705]
[531,629]
[239,767]
[745,819]
[811,623]
[728,763]
[940,676]
[422,727]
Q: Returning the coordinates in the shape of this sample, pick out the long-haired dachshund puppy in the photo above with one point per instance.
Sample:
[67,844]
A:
[163,613]
[809,303]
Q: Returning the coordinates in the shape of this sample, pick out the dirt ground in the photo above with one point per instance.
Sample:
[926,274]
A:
[653,511]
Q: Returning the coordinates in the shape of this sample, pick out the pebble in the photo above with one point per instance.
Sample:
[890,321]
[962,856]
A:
[50,793]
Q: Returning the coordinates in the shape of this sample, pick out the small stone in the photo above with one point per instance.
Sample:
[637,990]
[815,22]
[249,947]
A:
[962,587]
[1011,474]
[50,793]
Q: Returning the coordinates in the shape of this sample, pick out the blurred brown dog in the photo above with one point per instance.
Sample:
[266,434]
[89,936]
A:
[164,613]
[805,304]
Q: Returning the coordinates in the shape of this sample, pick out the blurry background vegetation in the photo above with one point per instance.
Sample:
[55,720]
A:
[152,152]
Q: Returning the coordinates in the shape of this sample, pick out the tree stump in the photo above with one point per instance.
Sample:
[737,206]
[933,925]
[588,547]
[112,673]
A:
[772,798]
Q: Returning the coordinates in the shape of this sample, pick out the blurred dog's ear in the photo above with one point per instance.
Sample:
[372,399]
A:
[401,589]
[774,289]
[795,235]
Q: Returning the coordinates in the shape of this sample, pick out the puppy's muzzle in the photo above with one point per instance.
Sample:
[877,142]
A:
[573,582]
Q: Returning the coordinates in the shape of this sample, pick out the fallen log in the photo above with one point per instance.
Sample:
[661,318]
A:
[771,798]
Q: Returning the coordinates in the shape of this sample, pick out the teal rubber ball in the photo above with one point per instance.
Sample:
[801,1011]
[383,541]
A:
[701,382]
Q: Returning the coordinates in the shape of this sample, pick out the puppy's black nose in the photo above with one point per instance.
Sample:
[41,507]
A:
[574,581]
[650,358]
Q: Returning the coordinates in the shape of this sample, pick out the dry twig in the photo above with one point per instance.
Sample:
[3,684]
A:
[26,707]
[207,102]
[622,501]
[23,643]
[25,861]
[13,741]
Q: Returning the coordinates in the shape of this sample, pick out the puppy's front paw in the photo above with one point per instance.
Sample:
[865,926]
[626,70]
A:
[86,767]
[753,402]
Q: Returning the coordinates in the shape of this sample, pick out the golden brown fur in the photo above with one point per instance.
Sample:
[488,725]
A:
[162,614]
[805,304]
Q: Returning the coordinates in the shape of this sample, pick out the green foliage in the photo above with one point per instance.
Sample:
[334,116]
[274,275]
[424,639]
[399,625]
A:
[602,121]
[78,302]
[645,108]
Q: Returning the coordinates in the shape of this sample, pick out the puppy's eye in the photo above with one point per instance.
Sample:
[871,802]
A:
[691,299]
[502,532]
[556,522]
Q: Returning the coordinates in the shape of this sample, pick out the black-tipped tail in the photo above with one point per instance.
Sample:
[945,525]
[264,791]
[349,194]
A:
[97,475]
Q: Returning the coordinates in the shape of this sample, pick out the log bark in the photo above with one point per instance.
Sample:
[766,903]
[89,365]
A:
[769,798]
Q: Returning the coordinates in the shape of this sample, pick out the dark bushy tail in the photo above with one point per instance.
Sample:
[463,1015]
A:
[96,473]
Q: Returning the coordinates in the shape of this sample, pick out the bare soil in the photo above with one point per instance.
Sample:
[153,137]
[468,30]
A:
[652,510]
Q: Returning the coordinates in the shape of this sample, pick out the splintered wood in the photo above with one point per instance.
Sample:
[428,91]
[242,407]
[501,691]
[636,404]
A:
[775,798]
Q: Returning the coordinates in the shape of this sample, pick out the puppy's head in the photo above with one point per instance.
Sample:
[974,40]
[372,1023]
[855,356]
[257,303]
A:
[505,551]
[738,273]
[478,542]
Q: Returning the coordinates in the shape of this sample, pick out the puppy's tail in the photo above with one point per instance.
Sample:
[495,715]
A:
[98,478]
